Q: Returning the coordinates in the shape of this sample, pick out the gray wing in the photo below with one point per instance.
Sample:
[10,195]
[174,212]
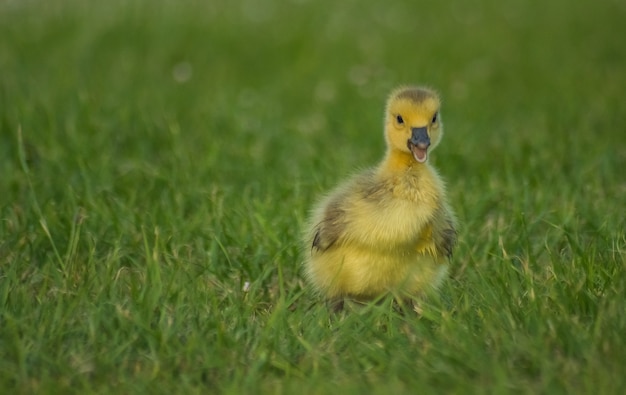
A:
[447,238]
[329,229]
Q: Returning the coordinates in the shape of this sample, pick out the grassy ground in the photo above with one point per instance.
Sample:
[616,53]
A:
[156,157]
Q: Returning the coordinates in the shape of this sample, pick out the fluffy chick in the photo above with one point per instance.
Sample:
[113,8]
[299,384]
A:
[388,229]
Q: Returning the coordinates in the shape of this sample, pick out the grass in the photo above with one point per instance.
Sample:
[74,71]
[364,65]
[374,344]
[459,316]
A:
[158,160]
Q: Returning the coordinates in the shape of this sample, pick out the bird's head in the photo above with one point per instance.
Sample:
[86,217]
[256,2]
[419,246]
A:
[412,122]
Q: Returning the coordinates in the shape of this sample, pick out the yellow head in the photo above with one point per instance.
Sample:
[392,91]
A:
[412,122]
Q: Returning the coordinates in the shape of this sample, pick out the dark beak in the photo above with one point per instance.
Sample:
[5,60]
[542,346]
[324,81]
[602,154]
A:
[419,137]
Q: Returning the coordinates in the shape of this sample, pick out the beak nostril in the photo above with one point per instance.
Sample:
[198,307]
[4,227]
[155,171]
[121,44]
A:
[419,137]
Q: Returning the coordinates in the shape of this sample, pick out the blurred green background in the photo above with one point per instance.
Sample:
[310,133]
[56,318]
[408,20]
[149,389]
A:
[155,156]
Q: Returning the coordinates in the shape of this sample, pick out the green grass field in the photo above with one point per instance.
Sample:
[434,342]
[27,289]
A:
[156,157]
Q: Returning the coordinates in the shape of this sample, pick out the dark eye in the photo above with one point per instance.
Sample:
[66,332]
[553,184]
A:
[435,117]
[399,119]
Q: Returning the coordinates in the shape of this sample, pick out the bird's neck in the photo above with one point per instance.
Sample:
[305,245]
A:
[397,162]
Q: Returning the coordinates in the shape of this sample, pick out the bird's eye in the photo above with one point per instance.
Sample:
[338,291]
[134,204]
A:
[435,117]
[399,119]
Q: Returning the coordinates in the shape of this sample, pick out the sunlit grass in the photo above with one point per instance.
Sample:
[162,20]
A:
[158,160]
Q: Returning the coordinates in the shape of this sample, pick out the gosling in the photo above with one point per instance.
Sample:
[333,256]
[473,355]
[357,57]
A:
[389,229]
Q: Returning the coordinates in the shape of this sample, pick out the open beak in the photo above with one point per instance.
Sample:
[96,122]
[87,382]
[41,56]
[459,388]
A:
[418,143]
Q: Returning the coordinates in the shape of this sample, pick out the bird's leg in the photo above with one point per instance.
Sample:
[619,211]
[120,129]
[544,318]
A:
[336,305]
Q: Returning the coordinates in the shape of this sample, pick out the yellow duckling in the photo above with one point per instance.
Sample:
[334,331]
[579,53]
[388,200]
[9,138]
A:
[389,229]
